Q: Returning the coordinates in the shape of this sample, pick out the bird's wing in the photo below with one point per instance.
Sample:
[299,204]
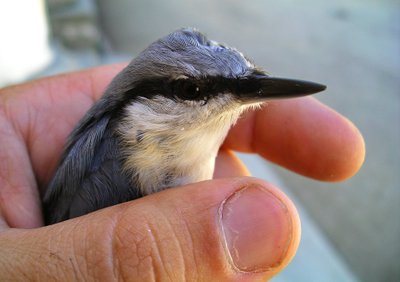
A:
[90,175]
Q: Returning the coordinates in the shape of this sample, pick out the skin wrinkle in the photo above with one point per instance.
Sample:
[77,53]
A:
[191,257]
[103,264]
[71,259]
[54,261]
[27,260]
[76,256]
[93,251]
[179,254]
[97,257]
[51,258]
[162,248]
[209,247]
[190,246]
[41,269]
[113,261]
[146,258]
[128,247]
[155,251]
[159,248]
[15,271]
[31,112]
[76,275]
[189,243]
[117,265]
[91,88]
[6,265]
[93,256]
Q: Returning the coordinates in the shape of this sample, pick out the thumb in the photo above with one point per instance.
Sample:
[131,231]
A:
[226,229]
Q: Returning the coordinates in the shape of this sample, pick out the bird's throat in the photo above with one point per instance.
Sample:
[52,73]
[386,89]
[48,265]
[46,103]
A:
[160,159]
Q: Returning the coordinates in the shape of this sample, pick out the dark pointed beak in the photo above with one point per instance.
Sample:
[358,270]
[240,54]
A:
[262,87]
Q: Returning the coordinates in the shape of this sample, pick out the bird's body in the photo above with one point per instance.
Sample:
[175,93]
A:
[159,124]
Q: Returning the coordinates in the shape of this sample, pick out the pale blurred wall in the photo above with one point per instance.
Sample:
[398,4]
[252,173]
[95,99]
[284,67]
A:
[24,44]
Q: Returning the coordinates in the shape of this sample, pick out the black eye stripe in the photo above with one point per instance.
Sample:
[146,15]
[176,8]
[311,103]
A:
[195,89]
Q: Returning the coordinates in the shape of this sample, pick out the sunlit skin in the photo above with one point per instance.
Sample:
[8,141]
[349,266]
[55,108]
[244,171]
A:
[300,134]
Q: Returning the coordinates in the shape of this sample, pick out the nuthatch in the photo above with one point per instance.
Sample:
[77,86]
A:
[160,123]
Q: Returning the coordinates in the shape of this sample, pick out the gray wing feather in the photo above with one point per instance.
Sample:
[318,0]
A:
[90,175]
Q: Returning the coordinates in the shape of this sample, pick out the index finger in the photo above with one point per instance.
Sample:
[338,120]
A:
[302,135]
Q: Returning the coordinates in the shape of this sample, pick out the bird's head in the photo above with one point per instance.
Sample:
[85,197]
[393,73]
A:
[185,78]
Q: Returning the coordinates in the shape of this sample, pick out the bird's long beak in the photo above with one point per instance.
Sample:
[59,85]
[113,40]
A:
[261,87]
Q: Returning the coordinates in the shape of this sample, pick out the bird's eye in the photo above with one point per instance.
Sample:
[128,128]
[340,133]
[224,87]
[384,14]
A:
[187,89]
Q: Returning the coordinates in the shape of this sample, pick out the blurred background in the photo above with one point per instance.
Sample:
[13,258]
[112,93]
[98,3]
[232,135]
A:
[351,230]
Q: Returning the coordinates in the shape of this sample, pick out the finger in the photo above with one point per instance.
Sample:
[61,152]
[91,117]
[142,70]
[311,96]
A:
[45,111]
[221,230]
[228,164]
[19,198]
[302,135]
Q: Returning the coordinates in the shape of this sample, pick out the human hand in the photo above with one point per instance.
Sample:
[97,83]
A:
[230,228]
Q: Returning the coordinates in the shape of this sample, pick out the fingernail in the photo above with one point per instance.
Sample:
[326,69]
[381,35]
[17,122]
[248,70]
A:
[256,228]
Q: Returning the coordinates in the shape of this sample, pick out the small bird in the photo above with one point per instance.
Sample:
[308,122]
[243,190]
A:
[160,123]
